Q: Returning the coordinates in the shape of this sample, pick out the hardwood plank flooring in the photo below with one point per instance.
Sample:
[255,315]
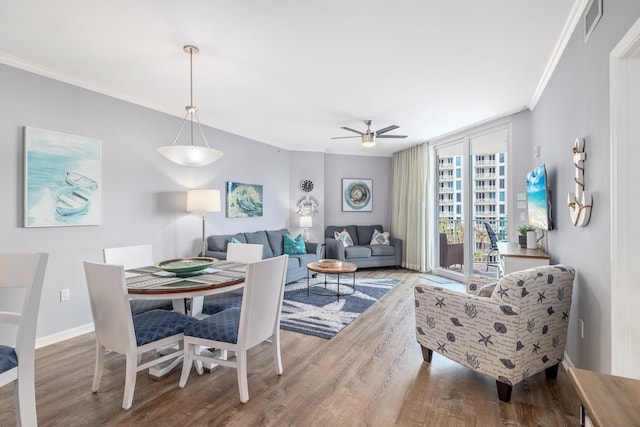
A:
[370,374]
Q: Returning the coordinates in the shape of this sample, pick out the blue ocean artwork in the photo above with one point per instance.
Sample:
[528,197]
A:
[244,200]
[62,179]
[537,197]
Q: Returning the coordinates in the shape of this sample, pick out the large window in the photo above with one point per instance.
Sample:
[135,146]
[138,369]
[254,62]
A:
[481,161]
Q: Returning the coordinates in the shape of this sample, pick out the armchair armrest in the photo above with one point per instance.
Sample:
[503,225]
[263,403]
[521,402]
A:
[334,249]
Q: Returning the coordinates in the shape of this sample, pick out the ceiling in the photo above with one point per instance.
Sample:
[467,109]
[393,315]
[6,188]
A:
[291,73]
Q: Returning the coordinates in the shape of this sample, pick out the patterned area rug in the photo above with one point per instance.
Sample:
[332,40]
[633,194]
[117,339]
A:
[325,316]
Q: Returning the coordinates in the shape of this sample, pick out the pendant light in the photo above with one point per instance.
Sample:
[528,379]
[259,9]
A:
[191,155]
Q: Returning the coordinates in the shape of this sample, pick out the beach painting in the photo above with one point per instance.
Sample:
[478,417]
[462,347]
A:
[537,198]
[243,200]
[62,179]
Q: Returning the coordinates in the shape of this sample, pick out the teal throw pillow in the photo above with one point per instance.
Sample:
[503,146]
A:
[294,246]
[234,240]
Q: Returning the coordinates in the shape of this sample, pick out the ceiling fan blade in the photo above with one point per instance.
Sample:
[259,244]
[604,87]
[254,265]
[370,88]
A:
[387,129]
[343,137]
[352,130]
[391,136]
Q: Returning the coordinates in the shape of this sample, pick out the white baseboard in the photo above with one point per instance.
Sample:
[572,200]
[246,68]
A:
[567,362]
[64,335]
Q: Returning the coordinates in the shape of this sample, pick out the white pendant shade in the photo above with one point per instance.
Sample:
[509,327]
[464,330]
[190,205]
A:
[190,155]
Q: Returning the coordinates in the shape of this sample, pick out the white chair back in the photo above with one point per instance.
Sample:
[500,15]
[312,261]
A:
[129,256]
[23,272]
[244,252]
[110,306]
[262,300]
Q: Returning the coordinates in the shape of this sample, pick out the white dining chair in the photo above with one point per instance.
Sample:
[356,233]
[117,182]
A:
[21,279]
[135,257]
[121,332]
[239,329]
[237,252]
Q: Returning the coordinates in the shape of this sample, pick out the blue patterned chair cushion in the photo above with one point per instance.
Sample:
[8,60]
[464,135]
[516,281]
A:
[8,358]
[216,303]
[139,306]
[155,325]
[221,326]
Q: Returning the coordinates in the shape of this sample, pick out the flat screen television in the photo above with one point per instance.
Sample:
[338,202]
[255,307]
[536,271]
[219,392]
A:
[539,199]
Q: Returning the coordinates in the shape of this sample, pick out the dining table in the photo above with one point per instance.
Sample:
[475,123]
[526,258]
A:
[155,283]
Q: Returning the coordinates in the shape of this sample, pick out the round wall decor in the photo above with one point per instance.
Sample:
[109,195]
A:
[306,185]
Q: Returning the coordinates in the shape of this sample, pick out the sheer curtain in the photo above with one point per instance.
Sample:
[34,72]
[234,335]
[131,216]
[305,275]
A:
[410,205]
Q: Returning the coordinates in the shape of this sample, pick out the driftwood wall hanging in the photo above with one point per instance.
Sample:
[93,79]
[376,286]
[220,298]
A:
[579,202]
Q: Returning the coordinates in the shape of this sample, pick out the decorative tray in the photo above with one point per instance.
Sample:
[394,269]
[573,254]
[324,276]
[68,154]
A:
[184,267]
[330,263]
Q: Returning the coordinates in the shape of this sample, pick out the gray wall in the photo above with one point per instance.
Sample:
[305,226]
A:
[576,104]
[143,194]
[377,168]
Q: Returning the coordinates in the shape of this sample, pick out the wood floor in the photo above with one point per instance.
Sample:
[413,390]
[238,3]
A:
[370,374]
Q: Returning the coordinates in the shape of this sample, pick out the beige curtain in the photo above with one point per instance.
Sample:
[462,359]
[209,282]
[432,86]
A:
[409,212]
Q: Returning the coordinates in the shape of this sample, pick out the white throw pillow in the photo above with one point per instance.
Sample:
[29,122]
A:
[344,237]
[379,238]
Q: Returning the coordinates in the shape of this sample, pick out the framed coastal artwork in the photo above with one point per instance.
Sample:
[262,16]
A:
[357,195]
[62,179]
[244,200]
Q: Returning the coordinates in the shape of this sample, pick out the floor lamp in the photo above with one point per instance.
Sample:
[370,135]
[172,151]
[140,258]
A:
[203,201]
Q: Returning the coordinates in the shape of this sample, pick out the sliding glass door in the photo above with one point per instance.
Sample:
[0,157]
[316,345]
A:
[471,201]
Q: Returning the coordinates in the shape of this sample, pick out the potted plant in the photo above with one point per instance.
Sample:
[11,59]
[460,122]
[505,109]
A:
[522,238]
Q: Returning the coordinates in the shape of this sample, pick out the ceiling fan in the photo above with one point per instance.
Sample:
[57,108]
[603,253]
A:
[369,137]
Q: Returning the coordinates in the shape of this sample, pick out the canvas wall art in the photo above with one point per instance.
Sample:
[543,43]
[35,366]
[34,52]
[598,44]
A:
[243,200]
[62,184]
[357,195]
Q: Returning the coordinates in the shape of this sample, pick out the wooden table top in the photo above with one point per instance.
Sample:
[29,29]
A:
[346,267]
[609,400]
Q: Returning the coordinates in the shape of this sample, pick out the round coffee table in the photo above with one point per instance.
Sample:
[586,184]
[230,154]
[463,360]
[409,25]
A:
[321,288]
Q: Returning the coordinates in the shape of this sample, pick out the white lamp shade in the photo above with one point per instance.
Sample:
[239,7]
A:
[190,155]
[203,201]
[305,222]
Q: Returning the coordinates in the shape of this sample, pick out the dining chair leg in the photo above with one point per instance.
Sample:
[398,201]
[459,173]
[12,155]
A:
[276,352]
[187,362]
[241,367]
[129,380]
[25,398]
[97,372]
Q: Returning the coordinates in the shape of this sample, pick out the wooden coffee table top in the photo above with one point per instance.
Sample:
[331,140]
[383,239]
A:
[347,267]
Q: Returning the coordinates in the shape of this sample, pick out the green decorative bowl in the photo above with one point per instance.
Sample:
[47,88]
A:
[185,267]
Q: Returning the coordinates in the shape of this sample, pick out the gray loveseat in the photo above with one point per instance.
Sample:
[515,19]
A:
[272,242]
[362,253]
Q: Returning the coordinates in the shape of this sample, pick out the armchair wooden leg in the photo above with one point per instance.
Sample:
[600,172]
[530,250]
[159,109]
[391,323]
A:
[427,354]
[552,372]
[504,391]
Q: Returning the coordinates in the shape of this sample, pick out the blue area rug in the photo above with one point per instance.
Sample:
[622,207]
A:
[325,316]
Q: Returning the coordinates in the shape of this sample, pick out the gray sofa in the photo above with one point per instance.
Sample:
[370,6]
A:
[362,253]
[272,242]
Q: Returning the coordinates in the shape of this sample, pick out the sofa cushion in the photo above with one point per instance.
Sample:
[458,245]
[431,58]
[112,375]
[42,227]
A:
[487,290]
[381,250]
[294,246]
[380,238]
[365,233]
[351,229]
[219,242]
[357,252]
[276,240]
[260,238]
[344,237]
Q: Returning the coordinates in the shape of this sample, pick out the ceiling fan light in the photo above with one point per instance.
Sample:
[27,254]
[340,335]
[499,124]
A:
[368,140]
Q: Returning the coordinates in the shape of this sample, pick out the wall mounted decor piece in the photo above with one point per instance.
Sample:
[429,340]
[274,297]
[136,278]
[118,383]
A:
[579,202]
[62,179]
[243,200]
[357,195]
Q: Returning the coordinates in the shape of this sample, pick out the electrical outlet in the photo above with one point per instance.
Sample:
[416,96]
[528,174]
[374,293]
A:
[65,295]
[581,325]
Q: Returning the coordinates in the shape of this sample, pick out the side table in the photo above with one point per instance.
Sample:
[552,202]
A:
[344,268]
